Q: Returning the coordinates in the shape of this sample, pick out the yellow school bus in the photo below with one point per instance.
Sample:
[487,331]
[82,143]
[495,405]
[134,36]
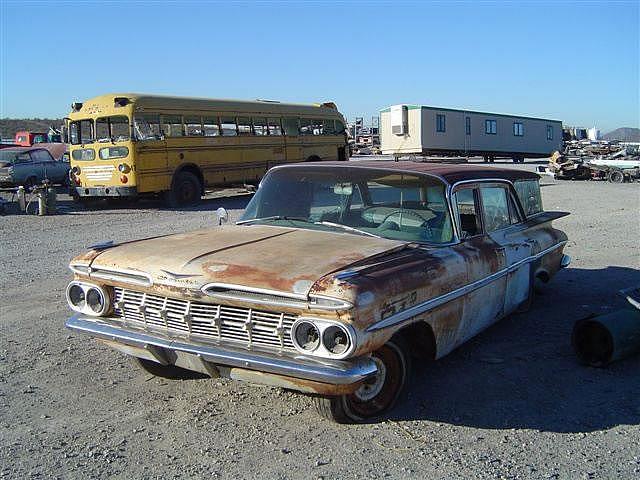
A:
[129,145]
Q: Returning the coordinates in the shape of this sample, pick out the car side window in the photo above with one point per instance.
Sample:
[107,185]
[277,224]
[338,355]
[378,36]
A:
[468,218]
[23,158]
[495,208]
[41,156]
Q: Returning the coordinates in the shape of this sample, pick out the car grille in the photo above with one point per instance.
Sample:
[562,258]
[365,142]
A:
[245,326]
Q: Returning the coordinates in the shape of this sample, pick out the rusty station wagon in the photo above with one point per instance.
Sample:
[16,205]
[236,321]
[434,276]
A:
[334,278]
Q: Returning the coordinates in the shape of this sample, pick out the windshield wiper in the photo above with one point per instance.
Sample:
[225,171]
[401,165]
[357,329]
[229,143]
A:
[347,228]
[273,217]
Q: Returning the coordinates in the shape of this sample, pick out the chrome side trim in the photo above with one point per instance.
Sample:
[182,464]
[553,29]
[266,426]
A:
[423,307]
[244,288]
[335,372]
[274,297]
[134,277]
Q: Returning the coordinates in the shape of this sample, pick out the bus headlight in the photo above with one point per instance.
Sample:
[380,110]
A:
[87,298]
[75,170]
[124,168]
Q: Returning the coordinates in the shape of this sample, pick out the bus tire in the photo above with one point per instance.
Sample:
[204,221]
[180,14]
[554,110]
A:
[185,191]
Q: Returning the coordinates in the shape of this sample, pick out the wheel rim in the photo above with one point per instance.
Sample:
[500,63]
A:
[186,192]
[379,393]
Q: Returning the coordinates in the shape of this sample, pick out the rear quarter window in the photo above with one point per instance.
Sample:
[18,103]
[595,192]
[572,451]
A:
[529,194]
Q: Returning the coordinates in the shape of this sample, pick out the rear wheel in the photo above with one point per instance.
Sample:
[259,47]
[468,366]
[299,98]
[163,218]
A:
[616,176]
[378,394]
[185,191]
[166,371]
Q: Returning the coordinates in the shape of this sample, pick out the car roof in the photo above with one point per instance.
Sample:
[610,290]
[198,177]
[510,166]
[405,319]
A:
[23,149]
[449,172]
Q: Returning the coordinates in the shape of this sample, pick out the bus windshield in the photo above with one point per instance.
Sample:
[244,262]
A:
[385,204]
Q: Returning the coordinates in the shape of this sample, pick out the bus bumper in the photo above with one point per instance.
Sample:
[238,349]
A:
[106,191]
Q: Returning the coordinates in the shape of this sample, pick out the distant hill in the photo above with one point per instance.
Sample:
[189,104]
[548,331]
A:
[9,126]
[623,134]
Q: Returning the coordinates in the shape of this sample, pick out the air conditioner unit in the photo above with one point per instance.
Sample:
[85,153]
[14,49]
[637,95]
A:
[399,119]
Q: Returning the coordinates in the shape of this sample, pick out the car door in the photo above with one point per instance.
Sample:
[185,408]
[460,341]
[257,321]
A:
[500,214]
[23,169]
[486,286]
[46,164]
[39,159]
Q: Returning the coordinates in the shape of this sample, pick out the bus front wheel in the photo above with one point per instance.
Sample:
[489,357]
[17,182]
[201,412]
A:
[185,191]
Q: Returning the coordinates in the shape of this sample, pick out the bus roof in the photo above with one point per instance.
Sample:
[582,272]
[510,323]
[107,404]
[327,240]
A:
[143,101]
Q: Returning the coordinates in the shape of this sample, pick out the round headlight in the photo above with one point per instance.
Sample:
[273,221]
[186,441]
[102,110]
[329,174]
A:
[124,168]
[75,170]
[307,336]
[336,340]
[95,300]
[76,296]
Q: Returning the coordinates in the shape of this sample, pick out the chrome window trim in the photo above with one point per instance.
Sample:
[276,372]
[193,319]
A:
[432,303]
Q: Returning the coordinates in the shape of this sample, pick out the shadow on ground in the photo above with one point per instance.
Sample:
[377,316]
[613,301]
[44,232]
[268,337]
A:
[522,373]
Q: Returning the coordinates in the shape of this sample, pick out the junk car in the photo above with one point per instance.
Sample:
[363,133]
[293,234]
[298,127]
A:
[30,166]
[336,277]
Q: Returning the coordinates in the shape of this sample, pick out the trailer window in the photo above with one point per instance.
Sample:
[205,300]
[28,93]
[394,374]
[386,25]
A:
[549,132]
[467,125]
[491,127]
[518,129]
[529,195]
[440,123]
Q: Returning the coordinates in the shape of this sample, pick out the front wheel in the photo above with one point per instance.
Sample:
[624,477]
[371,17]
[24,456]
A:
[185,191]
[377,394]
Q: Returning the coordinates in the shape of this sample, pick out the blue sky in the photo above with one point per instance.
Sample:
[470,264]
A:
[573,61]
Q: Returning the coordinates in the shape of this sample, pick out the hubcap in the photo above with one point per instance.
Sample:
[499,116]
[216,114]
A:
[372,387]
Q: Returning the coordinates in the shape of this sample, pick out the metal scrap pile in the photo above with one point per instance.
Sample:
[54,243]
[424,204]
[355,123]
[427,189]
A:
[615,163]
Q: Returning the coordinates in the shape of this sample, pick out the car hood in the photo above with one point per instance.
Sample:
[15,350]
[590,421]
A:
[268,257]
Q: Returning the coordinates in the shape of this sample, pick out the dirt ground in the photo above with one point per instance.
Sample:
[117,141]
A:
[511,403]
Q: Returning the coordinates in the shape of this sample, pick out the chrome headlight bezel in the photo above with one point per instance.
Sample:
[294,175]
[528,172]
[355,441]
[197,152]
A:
[322,325]
[85,308]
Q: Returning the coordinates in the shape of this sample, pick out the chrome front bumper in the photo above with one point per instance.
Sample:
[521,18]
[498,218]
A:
[292,366]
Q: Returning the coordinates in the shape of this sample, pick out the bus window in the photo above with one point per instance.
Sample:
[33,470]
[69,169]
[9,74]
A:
[102,129]
[147,126]
[305,127]
[172,125]
[229,127]
[290,126]
[120,131]
[81,132]
[328,127]
[274,126]
[316,127]
[211,127]
[260,126]
[244,126]
[193,126]
[339,127]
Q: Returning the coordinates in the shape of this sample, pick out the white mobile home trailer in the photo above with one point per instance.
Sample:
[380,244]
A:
[423,130]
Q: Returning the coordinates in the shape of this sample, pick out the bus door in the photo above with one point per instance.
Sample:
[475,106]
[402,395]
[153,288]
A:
[293,141]
[151,160]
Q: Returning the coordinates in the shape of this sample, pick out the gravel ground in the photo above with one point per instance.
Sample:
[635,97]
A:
[511,403]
